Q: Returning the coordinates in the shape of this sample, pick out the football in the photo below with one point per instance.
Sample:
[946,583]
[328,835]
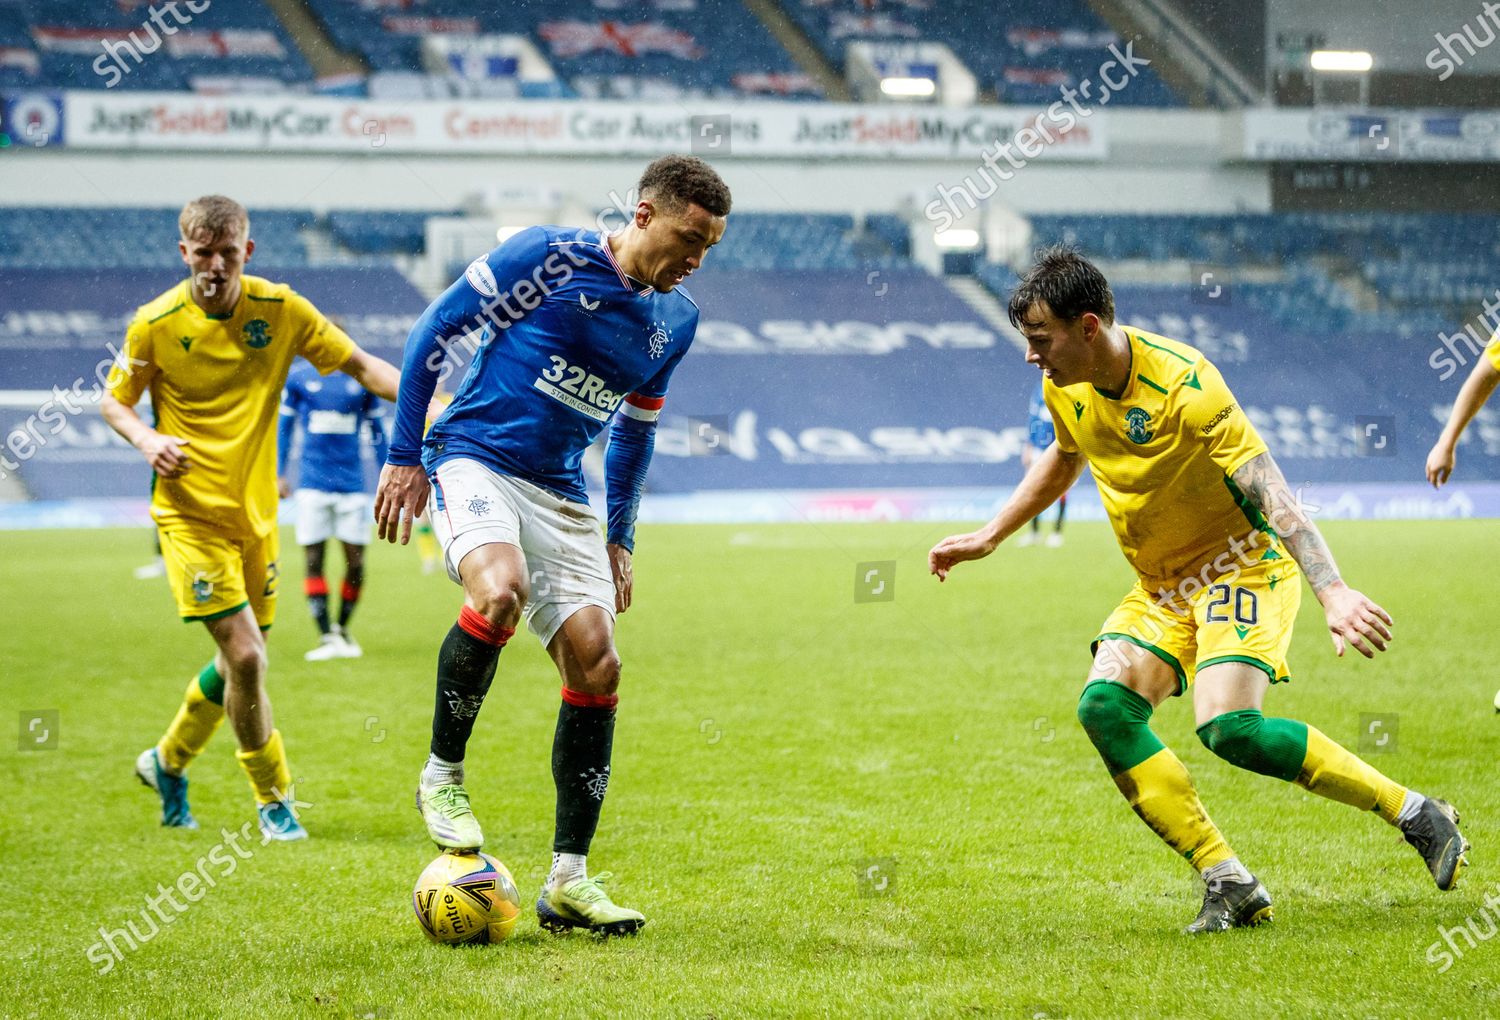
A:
[466,898]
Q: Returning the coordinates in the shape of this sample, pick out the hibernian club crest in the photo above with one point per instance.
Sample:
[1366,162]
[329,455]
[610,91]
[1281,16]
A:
[203,588]
[257,333]
[1138,426]
[657,342]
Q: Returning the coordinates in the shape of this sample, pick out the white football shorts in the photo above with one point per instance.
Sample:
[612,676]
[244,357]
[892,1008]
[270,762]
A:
[562,542]
[347,516]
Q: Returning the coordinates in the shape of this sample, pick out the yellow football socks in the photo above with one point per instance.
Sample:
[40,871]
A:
[1331,771]
[1151,777]
[270,777]
[1301,754]
[426,544]
[199,715]
[1162,793]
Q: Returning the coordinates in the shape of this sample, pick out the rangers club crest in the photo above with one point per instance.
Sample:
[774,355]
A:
[478,506]
[657,342]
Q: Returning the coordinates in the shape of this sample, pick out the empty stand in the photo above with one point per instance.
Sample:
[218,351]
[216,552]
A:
[242,40]
[1025,51]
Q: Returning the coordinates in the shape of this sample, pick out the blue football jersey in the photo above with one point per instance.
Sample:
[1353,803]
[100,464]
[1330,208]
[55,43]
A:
[560,339]
[1040,430]
[337,418]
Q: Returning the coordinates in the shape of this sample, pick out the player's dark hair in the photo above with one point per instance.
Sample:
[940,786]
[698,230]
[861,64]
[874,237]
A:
[1069,283]
[674,182]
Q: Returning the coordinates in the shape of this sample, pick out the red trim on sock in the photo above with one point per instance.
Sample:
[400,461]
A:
[349,592]
[480,629]
[583,700]
[315,586]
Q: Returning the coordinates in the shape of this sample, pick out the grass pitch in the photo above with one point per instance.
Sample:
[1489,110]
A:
[777,741]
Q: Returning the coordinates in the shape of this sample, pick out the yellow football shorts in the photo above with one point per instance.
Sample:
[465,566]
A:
[213,575]
[1239,616]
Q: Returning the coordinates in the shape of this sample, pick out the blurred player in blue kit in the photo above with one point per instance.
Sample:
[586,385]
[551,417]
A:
[338,419]
[1039,435]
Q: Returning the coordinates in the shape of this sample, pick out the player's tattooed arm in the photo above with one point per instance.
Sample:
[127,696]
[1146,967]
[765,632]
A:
[1353,619]
[1263,484]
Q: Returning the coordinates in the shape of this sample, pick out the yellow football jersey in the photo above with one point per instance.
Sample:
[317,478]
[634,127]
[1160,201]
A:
[1162,455]
[216,381]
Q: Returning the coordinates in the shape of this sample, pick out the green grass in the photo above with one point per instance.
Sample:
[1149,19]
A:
[772,734]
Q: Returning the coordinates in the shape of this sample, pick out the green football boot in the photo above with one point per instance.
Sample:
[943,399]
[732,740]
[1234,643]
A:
[1434,832]
[450,821]
[1228,903]
[583,903]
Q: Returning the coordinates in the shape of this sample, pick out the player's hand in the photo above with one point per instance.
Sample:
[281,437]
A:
[1354,619]
[1440,460]
[283,488]
[165,454]
[400,499]
[619,565]
[956,549]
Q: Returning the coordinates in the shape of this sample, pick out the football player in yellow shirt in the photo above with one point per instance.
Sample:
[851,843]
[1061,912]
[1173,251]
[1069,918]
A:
[214,352]
[1220,546]
[1476,390]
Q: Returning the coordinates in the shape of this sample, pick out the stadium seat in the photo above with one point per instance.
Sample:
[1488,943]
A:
[244,41]
[1025,50]
[601,51]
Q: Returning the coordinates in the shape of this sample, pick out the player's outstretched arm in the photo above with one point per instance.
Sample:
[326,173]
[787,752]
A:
[1352,618]
[167,455]
[1476,390]
[377,375]
[1052,474]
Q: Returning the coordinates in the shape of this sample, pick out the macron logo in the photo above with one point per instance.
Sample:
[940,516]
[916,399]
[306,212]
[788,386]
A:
[588,306]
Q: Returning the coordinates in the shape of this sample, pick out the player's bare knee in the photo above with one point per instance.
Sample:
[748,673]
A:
[606,673]
[246,661]
[598,673]
[499,602]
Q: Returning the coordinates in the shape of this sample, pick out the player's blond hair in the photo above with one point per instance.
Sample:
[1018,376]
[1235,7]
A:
[214,215]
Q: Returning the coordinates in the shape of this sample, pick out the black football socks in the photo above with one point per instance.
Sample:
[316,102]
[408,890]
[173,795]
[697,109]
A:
[466,667]
[581,750]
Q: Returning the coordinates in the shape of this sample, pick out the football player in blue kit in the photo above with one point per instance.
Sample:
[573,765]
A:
[1039,436]
[574,330]
[335,416]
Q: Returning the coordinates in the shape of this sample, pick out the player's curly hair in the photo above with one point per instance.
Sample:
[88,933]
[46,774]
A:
[674,182]
[1069,284]
[214,215]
